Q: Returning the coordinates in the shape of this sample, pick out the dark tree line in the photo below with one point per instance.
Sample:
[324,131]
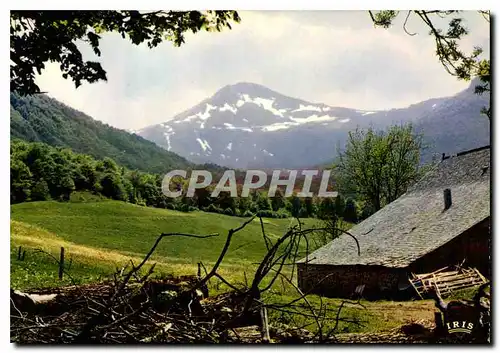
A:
[41,172]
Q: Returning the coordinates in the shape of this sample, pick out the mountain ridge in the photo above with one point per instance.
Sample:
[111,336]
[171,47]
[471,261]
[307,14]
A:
[247,125]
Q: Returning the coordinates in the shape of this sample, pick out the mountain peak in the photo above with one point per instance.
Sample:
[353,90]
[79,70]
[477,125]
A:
[245,86]
[250,88]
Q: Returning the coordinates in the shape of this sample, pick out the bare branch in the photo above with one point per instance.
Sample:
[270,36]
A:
[266,239]
[404,24]
[223,253]
[227,283]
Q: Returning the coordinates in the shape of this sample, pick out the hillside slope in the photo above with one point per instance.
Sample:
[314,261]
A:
[133,229]
[43,119]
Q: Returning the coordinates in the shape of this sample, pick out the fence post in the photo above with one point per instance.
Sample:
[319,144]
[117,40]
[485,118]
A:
[61,263]
[264,325]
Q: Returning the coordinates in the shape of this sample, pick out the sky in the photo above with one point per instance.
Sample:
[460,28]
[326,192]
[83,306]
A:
[332,57]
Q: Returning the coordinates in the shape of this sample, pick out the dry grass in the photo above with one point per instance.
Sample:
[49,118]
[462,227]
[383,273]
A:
[31,237]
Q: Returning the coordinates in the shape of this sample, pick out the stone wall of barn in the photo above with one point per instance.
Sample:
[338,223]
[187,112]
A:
[341,281]
[473,246]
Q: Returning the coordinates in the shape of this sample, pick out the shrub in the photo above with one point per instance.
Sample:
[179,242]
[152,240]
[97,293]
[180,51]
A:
[228,212]
[170,206]
[193,208]
[160,204]
[86,196]
[366,211]
[112,187]
[283,213]
[212,208]
[303,213]
[267,213]
[40,191]
[350,212]
[247,213]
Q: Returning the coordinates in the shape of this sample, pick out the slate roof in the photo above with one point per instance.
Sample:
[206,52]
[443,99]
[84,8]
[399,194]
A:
[416,223]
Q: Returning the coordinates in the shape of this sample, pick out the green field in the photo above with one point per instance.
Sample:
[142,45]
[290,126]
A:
[99,237]
[106,234]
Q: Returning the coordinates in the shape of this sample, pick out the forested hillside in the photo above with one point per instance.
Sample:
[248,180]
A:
[39,172]
[43,119]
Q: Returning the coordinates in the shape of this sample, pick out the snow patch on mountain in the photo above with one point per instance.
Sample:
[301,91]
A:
[278,126]
[314,118]
[201,115]
[168,130]
[167,136]
[228,107]
[229,146]
[232,127]
[298,121]
[265,103]
[303,107]
[268,104]
[204,144]
[268,153]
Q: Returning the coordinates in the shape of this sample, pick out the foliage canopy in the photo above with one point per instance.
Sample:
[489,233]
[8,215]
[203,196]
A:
[37,37]
[454,59]
[379,166]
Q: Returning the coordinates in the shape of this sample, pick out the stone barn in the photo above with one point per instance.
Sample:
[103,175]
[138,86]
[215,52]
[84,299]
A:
[442,220]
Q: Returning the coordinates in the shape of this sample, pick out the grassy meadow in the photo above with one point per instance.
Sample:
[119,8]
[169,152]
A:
[107,234]
[103,235]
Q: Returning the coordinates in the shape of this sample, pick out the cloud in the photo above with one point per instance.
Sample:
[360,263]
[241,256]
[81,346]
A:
[333,57]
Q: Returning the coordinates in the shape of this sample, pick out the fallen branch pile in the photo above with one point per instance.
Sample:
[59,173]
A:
[164,310]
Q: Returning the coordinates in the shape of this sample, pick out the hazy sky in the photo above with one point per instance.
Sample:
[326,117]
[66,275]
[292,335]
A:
[332,57]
